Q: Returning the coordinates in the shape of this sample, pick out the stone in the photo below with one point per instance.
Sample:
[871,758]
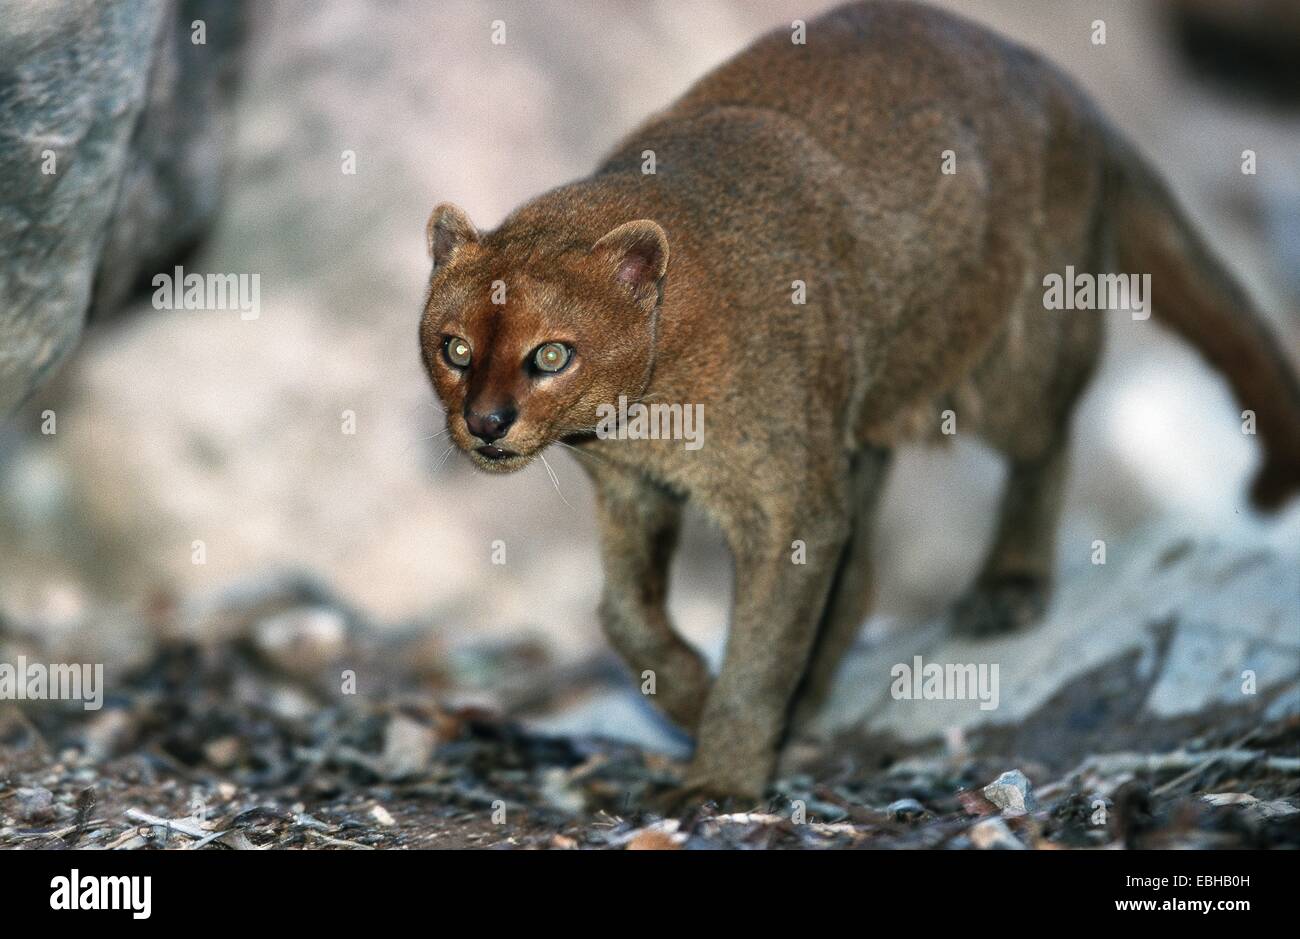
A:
[109,733]
[1011,793]
[109,162]
[34,805]
[408,748]
[905,810]
[1168,630]
[302,641]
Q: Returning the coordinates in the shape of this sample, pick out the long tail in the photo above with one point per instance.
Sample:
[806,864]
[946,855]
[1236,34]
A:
[1197,297]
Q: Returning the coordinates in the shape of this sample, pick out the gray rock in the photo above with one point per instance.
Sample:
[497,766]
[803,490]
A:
[408,747]
[109,733]
[34,805]
[826,812]
[109,151]
[905,809]
[1011,793]
[1167,630]
[559,793]
[302,641]
[1277,808]
[615,715]
[171,187]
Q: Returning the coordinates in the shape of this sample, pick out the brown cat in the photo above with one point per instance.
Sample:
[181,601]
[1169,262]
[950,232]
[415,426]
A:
[822,163]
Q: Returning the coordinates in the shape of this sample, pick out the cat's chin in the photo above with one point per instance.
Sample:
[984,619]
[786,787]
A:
[495,460]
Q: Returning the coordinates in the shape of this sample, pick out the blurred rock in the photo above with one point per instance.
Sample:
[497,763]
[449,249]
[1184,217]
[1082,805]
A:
[109,160]
[34,804]
[247,605]
[223,752]
[408,748]
[1275,808]
[993,834]
[1170,632]
[302,641]
[559,792]
[1011,793]
[615,715]
[175,174]
[109,733]
[905,810]
[290,702]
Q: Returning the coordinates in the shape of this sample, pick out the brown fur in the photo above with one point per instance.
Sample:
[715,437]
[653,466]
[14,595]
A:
[821,163]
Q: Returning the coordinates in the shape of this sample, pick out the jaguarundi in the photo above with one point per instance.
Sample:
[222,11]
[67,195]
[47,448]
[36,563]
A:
[822,162]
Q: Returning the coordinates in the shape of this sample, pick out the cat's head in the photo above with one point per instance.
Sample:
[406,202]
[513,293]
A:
[526,335]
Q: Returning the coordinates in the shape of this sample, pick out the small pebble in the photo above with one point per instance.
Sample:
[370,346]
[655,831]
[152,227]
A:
[905,810]
[34,805]
[1011,793]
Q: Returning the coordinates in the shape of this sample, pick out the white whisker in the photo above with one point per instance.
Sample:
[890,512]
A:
[424,440]
[441,460]
[582,452]
[426,403]
[555,481]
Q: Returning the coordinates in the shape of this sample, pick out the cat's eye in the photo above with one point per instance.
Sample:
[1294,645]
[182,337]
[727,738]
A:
[552,357]
[457,351]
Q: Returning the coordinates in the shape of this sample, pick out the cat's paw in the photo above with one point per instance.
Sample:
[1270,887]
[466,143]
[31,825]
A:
[687,802]
[699,796]
[997,605]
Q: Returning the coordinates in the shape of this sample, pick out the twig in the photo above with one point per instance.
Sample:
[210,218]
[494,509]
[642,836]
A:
[1210,759]
[131,834]
[208,839]
[1111,764]
[171,824]
[339,842]
[53,832]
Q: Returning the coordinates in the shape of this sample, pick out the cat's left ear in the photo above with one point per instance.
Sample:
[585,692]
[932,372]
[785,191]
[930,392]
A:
[448,231]
[637,253]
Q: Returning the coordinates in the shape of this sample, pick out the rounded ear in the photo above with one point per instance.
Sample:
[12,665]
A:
[638,252]
[449,228]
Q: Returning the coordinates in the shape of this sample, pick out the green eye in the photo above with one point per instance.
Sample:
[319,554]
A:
[457,351]
[552,357]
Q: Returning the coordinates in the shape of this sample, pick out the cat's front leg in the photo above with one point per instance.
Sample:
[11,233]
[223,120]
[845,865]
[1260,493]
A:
[638,533]
[785,563]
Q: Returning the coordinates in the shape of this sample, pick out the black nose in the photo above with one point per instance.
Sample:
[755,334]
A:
[489,427]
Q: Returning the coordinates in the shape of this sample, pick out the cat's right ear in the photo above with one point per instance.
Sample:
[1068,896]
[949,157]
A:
[448,231]
[638,254]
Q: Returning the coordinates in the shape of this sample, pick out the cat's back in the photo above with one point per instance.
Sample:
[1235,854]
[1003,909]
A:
[879,84]
[866,61]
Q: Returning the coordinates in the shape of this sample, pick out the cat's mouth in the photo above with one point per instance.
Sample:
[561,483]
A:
[496,459]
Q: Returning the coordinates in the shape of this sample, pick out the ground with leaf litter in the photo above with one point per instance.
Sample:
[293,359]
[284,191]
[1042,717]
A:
[246,742]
